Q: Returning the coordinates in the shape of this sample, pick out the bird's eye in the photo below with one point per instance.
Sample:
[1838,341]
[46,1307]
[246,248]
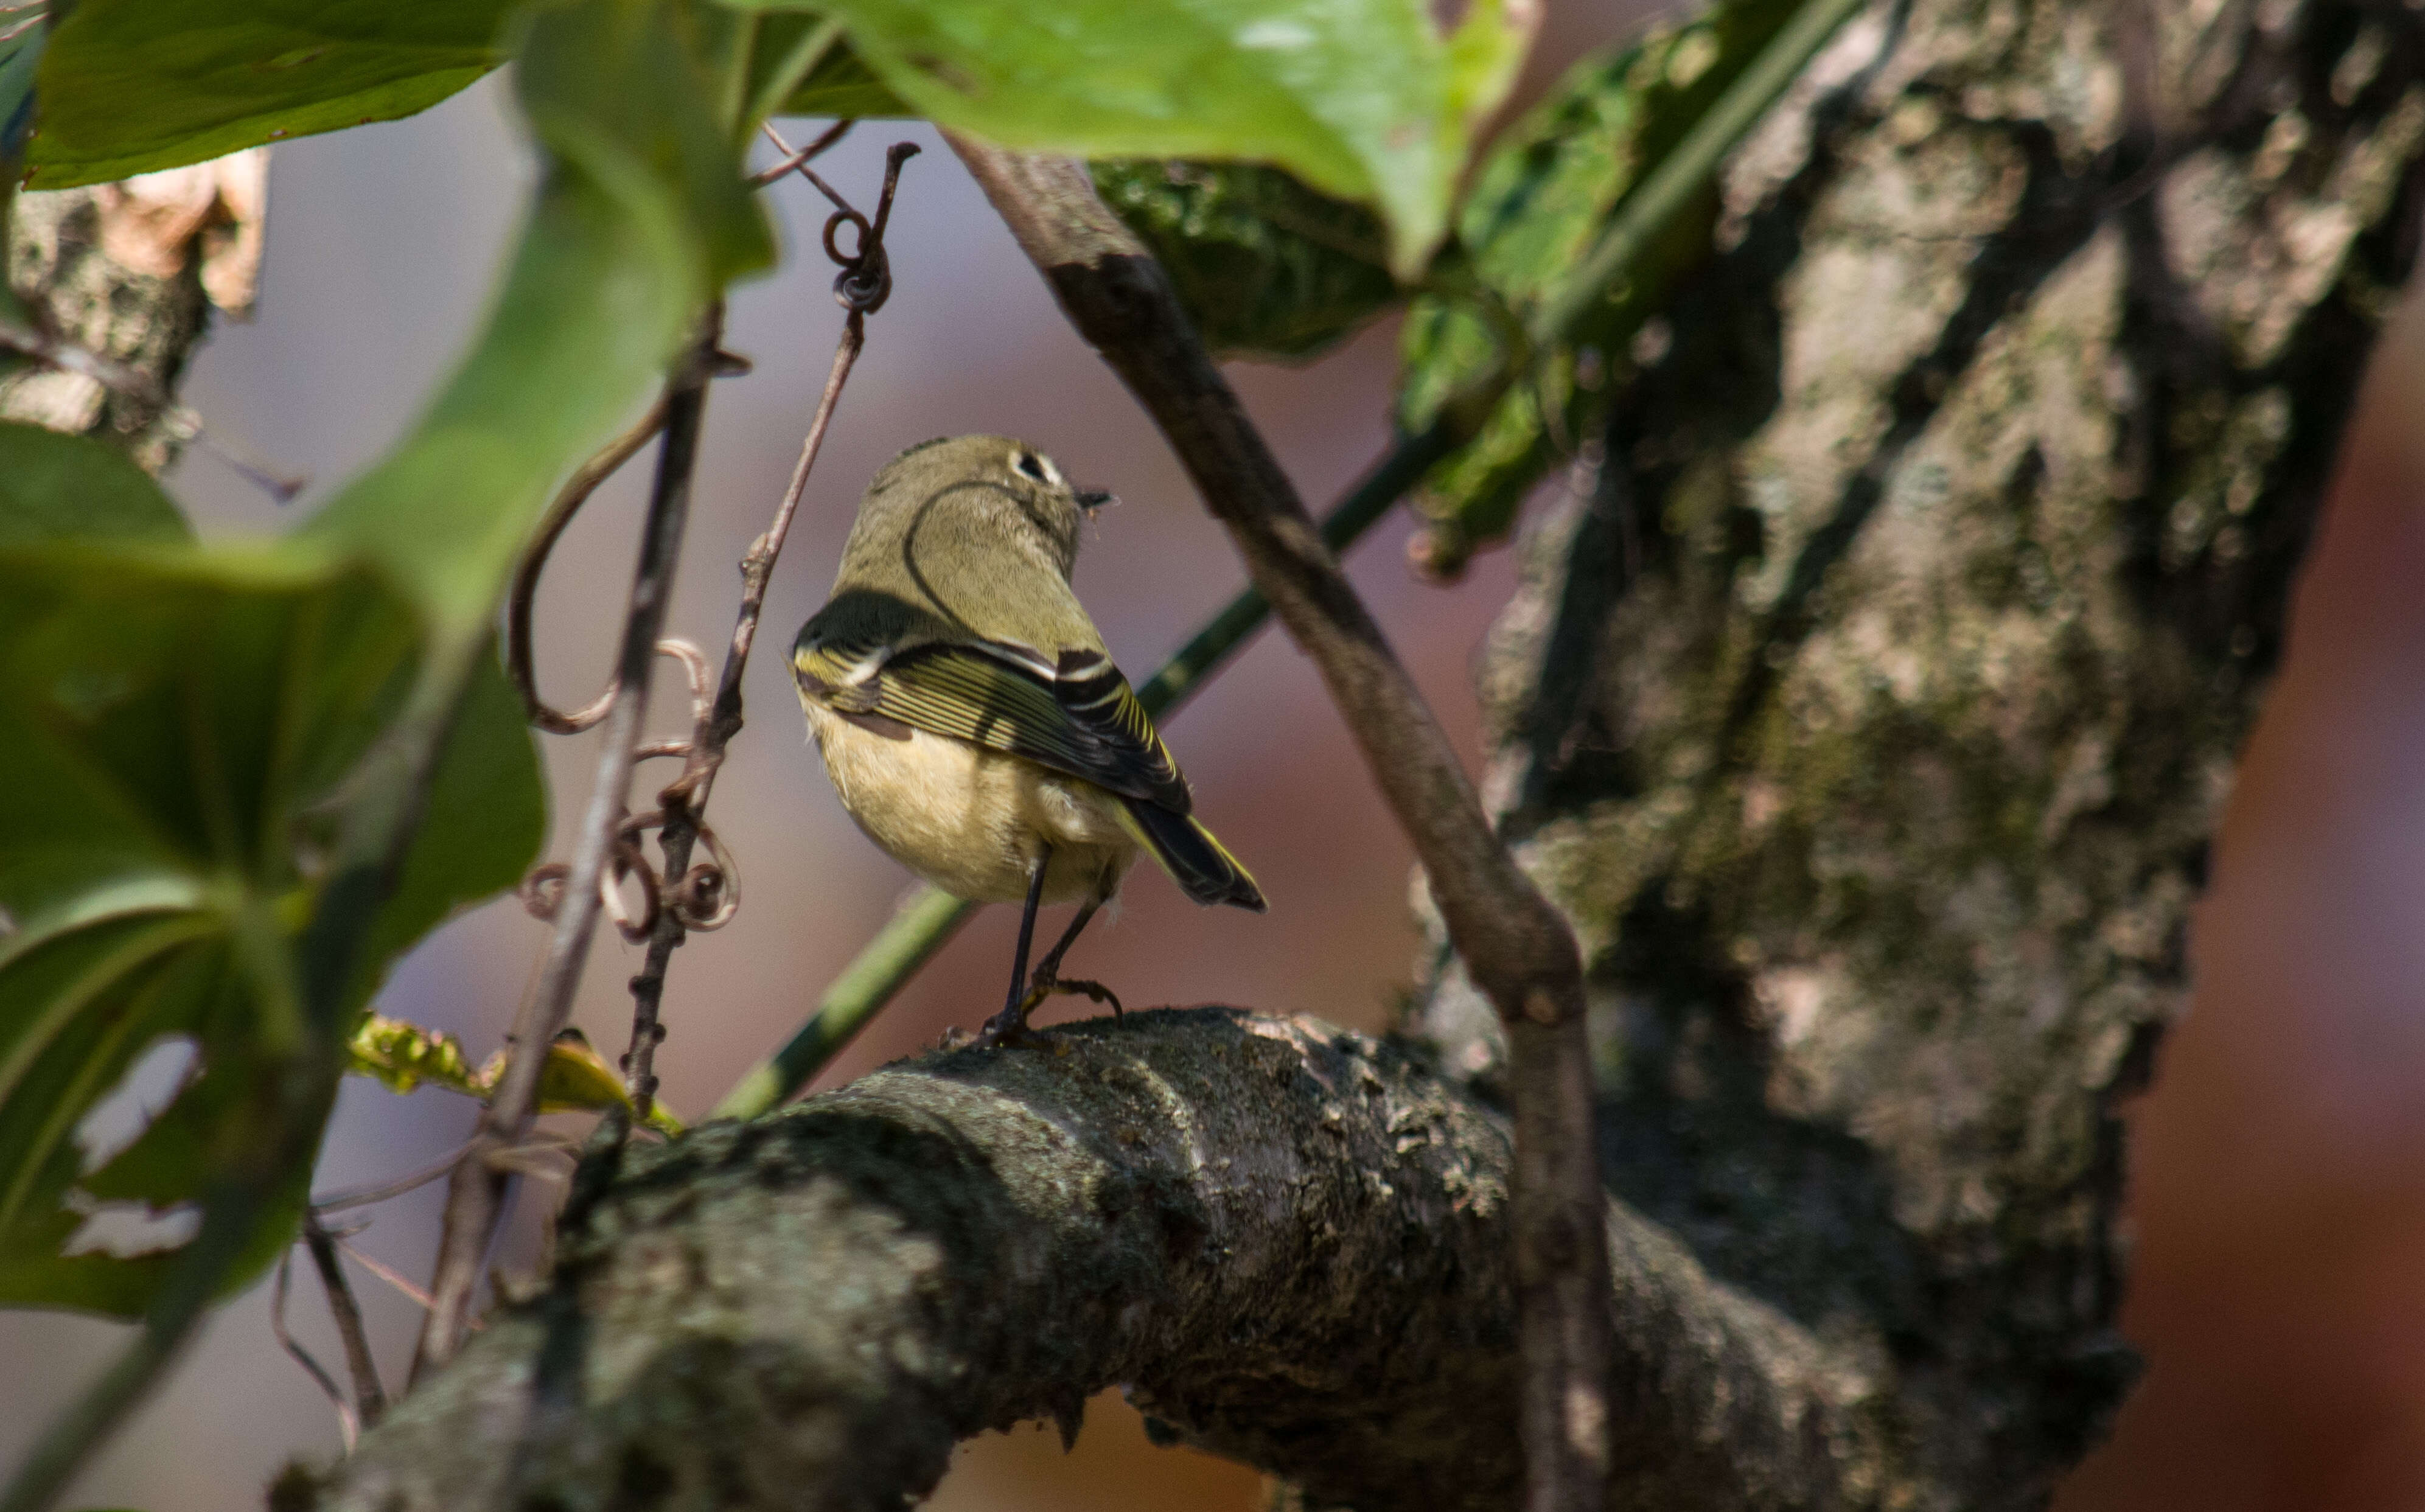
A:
[1034,466]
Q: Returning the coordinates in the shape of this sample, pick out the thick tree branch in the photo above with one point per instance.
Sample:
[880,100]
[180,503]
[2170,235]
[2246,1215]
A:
[1290,1244]
[1517,946]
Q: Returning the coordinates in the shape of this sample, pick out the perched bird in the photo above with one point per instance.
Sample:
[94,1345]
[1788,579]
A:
[969,716]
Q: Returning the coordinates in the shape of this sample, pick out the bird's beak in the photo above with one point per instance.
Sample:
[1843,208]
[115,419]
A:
[1091,500]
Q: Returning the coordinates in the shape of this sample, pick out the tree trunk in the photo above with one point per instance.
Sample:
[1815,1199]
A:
[1869,707]
[1866,704]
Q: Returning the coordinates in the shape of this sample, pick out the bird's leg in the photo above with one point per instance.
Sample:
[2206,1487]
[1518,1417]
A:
[1048,972]
[1012,1021]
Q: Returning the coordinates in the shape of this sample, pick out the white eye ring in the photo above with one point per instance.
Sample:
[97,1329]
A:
[1036,465]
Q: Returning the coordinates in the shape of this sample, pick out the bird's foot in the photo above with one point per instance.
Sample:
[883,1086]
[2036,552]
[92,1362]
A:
[1073,987]
[1010,1026]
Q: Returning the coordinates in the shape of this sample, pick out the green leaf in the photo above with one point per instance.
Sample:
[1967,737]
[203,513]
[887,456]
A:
[1538,204]
[482,824]
[1267,268]
[127,86]
[53,487]
[575,1078]
[840,86]
[205,755]
[1363,100]
[401,1057]
[176,727]
[642,218]
[172,724]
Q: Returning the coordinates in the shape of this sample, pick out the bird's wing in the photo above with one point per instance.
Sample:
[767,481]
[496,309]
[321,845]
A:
[1074,714]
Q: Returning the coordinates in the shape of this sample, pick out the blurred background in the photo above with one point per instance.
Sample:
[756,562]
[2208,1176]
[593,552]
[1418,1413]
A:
[2278,1164]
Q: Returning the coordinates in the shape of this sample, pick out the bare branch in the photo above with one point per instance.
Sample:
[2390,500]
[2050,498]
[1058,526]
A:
[370,1397]
[476,1193]
[1516,946]
[704,897]
[348,1425]
[791,159]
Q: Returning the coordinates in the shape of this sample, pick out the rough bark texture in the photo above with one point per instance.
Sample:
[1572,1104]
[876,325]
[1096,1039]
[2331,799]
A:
[90,300]
[1866,709]
[1870,710]
[1290,1244]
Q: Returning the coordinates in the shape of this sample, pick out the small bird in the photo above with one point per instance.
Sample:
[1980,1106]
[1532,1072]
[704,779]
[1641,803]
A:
[970,719]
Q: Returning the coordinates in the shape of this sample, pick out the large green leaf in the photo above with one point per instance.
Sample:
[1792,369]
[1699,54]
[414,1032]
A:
[840,85]
[642,218]
[130,86]
[53,487]
[169,722]
[1361,99]
[20,56]
[1267,268]
[1537,205]
[207,753]
[178,727]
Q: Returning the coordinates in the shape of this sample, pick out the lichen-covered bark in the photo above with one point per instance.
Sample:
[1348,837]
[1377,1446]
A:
[90,300]
[1870,706]
[1290,1244]
[808,1310]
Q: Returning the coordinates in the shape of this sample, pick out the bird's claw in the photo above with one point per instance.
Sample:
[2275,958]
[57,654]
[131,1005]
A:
[1010,1026]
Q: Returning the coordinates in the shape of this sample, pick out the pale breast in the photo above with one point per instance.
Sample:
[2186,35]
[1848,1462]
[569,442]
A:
[970,820]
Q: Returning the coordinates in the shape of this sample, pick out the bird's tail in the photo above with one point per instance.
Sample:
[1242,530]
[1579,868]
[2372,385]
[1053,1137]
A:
[1197,861]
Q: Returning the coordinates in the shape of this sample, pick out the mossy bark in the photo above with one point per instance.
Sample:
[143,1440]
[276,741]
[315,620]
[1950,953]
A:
[1867,705]
[1873,693]
[1290,1244]
[90,300]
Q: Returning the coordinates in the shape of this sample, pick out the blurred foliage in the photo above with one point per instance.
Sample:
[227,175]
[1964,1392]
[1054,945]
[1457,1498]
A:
[236,784]
[177,725]
[1268,270]
[1539,201]
[576,1079]
[837,84]
[130,86]
[1364,100]
[55,487]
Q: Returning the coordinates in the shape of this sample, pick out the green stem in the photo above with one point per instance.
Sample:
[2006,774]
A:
[932,916]
[1687,169]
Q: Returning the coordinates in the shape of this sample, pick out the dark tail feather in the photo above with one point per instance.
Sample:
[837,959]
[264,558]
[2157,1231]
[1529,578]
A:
[1197,861]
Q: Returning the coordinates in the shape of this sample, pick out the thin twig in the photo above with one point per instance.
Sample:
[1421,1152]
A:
[568,499]
[370,1398]
[476,1193]
[348,1425]
[703,897]
[1518,946]
[395,1277]
[134,383]
[363,1196]
[791,159]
